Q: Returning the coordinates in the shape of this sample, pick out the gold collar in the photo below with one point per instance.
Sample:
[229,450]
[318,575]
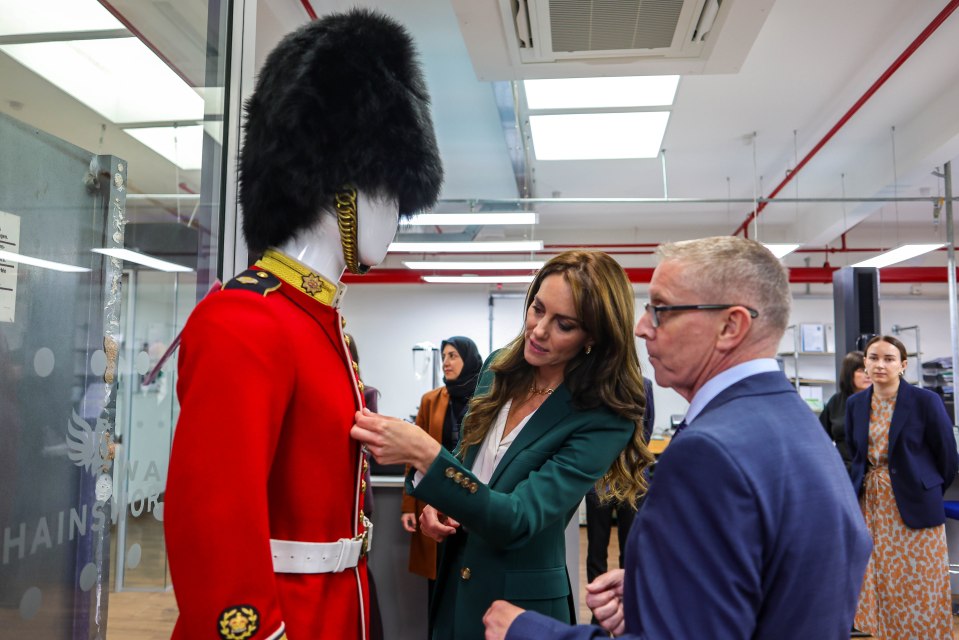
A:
[299,276]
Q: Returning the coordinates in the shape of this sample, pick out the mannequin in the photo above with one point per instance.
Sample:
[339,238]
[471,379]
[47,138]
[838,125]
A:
[319,247]
[265,528]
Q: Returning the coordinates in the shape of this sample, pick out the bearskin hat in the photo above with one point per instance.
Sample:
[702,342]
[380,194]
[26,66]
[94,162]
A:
[340,101]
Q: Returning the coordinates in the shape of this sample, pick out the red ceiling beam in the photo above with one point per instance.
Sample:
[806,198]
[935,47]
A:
[642,275]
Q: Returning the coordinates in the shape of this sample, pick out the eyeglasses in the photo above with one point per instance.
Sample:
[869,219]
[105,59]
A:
[655,311]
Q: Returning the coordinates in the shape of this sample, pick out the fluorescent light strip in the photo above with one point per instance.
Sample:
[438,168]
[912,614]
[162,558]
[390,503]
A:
[905,252]
[461,219]
[465,247]
[145,260]
[9,256]
[426,265]
[781,250]
[104,74]
[17,17]
[597,93]
[478,279]
[598,136]
[182,146]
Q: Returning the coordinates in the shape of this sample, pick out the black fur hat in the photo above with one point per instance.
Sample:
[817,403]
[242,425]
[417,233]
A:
[339,101]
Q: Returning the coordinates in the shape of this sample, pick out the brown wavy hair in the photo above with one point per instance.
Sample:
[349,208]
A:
[608,377]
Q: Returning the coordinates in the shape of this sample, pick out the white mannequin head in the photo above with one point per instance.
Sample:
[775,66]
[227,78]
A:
[321,248]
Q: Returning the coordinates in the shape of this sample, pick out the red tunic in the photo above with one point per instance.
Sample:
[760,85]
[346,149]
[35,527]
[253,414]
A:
[262,450]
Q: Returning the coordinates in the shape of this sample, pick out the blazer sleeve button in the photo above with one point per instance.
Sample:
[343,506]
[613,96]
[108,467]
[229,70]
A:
[457,477]
[465,573]
[450,471]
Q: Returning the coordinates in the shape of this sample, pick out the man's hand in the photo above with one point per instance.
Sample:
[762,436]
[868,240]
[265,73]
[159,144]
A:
[408,520]
[437,525]
[498,618]
[604,596]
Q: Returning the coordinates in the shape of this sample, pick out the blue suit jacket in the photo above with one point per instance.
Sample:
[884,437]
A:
[922,451]
[750,530]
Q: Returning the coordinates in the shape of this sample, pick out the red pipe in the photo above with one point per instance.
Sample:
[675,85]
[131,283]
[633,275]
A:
[309,9]
[642,275]
[905,55]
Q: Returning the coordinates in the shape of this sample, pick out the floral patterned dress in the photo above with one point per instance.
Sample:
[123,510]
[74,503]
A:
[905,593]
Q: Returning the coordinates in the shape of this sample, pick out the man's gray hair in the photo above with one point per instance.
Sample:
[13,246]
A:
[733,270]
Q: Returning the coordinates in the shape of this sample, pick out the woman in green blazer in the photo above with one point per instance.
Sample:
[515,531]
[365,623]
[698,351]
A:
[556,411]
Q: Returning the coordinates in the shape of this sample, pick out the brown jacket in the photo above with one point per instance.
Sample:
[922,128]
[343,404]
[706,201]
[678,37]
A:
[433,407]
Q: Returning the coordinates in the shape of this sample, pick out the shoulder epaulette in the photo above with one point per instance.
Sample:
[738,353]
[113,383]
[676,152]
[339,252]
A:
[256,281]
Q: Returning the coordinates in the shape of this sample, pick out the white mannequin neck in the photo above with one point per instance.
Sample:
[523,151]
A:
[319,247]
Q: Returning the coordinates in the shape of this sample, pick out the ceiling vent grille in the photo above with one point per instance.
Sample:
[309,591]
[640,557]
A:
[558,30]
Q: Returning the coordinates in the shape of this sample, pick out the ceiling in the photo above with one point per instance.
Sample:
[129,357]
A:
[776,78]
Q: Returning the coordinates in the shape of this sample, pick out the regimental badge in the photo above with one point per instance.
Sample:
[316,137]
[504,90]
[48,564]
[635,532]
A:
[239,622]
[313,284]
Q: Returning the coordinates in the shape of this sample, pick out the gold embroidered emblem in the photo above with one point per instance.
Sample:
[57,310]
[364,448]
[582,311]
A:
[246,280]
[239,622]
[313,284]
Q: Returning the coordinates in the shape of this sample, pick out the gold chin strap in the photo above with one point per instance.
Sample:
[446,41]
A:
[346,218]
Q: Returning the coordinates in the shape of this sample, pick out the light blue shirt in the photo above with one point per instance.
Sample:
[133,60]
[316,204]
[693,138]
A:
[722,381]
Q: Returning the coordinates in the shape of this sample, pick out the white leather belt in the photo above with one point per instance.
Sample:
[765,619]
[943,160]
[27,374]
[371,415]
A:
[290,556]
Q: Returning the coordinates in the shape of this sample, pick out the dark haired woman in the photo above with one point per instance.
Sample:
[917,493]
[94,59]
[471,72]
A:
[903,459]
[852,379]
[441,415]
[555,411]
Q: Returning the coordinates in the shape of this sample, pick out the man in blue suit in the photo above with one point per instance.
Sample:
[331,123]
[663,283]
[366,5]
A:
[750,529]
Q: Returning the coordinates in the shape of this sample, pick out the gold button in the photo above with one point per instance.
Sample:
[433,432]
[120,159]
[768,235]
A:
[465,573]
[356,367]
[465,482]
[343,322]
[362,486]
[366,465]
[450,471]
[262,274]
[473,487]
[457,477]
[360,385]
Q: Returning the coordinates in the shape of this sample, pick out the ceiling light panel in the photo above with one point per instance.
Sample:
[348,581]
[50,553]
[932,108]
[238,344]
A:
[465,247]
[467,219]
[478,279]
[104,74]
[143,259]
[905,252]
[781,250]
[597,93]
[598,136]
[56,16]
[182,146]
[17,258]
[435,265]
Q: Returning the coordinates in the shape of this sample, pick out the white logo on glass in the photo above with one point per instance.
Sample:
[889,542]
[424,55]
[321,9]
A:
[89,448]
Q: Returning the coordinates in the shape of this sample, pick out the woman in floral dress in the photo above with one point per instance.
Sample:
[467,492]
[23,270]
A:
[903,459]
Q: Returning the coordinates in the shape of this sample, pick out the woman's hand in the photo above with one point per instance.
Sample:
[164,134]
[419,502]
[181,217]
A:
[408,520]
[437,525]
[394,441]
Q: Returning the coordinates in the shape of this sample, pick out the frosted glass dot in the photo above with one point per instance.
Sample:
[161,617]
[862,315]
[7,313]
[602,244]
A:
[88,576]
[30,603]
[133,556]
[142,362]
[43,361]
[98,362]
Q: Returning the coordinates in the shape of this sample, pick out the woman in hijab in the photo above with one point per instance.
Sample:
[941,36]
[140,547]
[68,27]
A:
[441,414]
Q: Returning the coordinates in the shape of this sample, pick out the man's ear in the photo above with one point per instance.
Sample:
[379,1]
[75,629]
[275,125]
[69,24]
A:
[735,327]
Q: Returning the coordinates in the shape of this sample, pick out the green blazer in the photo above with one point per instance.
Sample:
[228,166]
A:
[512,542]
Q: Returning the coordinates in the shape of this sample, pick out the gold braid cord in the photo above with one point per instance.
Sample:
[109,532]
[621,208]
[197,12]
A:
[346,218]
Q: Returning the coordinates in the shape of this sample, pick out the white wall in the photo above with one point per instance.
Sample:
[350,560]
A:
[388,320]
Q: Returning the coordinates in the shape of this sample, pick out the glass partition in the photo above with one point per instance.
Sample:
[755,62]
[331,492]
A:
[112,130]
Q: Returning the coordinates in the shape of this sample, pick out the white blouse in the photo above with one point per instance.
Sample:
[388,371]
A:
[494,445]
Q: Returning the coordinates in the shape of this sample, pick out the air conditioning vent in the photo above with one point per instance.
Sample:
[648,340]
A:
[580,38]
[613,25]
